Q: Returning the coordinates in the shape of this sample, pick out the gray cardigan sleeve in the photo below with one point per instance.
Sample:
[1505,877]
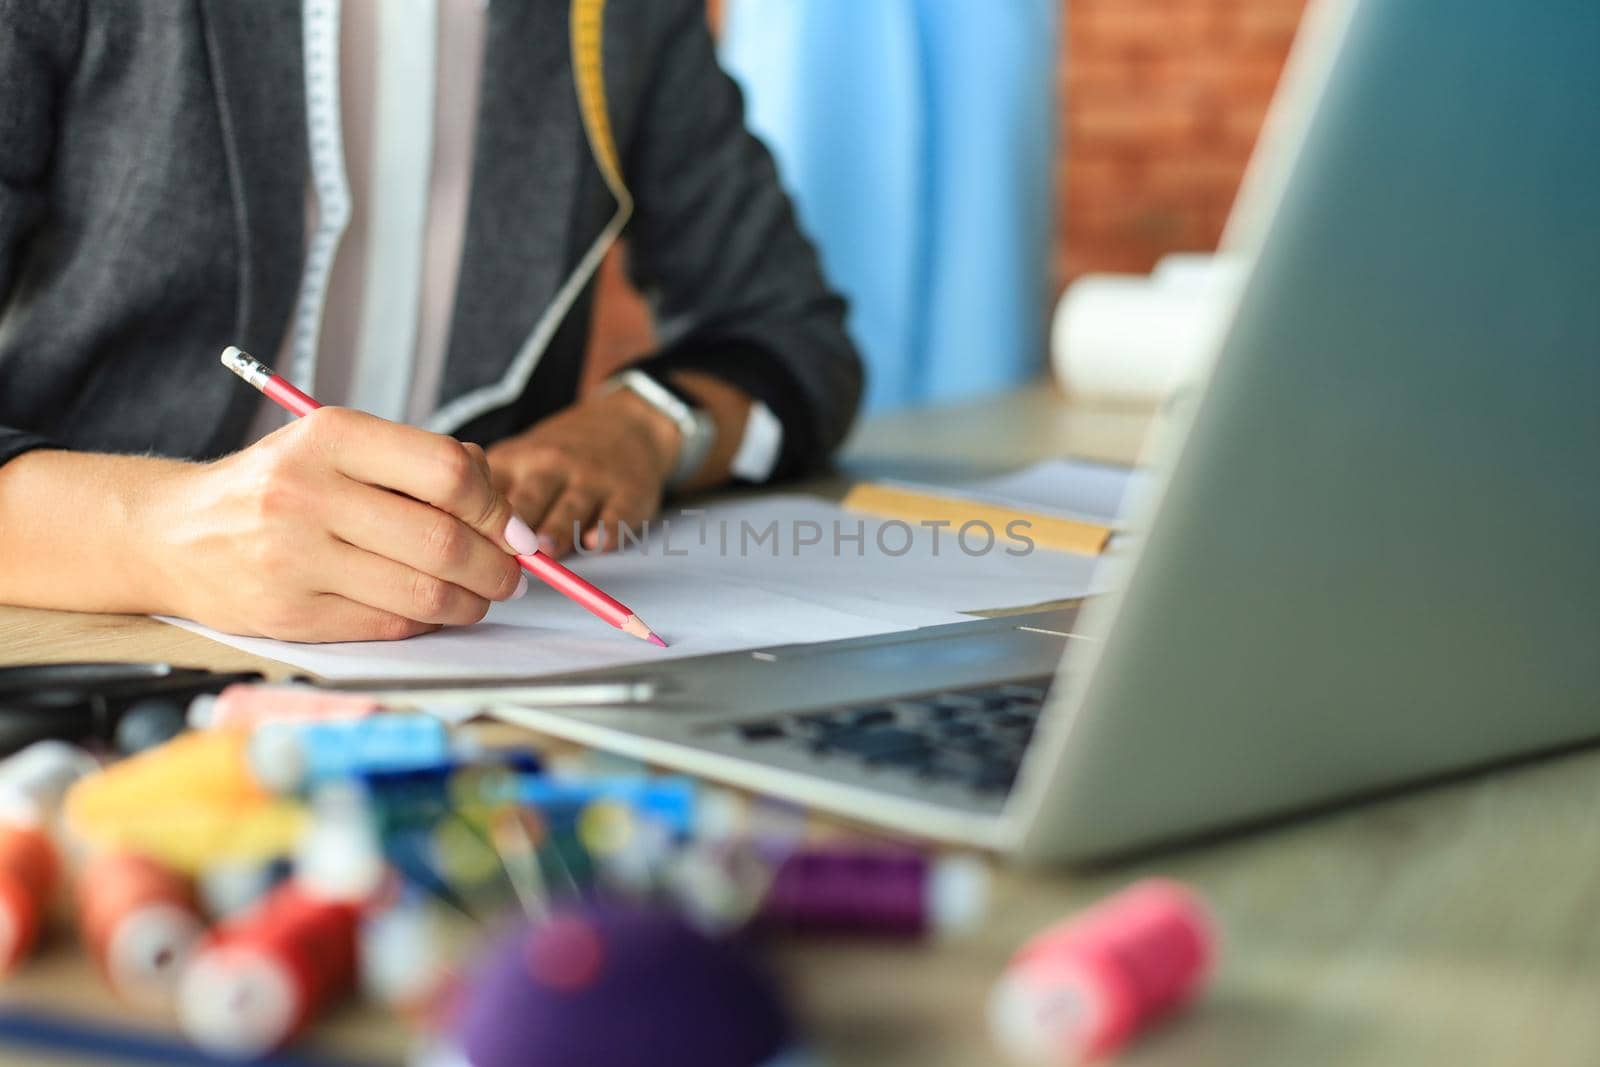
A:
[735,286]
[38,44]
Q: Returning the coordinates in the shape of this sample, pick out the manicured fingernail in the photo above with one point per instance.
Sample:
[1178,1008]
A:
[547,545]
[522,587]
[520,537]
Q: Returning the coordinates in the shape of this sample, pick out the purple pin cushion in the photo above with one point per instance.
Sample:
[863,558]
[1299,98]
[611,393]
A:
[608,985]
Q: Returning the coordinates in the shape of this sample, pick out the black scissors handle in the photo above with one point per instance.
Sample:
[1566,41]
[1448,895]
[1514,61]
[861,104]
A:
[84,701]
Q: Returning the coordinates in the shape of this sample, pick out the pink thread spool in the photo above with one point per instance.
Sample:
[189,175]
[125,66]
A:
[245,706]
[1080,990]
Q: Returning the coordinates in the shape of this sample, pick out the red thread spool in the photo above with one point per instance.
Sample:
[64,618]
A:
[260,979]
[140,924]
[28,873]
[1081,989]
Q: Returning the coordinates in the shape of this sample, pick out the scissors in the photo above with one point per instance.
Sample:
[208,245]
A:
[83,702]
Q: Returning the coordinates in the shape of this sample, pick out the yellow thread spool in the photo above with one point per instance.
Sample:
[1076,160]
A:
[188,803]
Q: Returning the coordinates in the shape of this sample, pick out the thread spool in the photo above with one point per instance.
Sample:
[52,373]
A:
[29,869]
[846,889]
[34,780]
[288,756]
[405,962]
[719,885]
[1080,990]
[631,852]
[433,822]
[189,803]
[340,857]
[244,706]
[560,802]
[554,992]
[261,978]
[426,794]
[230,888]
[200,768]
[139,922]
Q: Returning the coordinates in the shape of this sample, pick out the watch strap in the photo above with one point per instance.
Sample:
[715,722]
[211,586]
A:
[698,431]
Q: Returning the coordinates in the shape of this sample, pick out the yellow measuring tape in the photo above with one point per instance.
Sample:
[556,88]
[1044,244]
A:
[588,66]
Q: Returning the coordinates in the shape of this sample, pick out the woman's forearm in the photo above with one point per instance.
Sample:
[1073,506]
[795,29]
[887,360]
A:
[73,531]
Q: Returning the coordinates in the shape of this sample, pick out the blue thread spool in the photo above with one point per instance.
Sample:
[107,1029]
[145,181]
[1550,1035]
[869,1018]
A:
[669,801]
[426,794]
[611,986]
[291,756]
[411,805]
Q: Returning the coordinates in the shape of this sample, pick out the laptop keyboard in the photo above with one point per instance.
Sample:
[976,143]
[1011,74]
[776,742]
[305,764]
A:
[971,738]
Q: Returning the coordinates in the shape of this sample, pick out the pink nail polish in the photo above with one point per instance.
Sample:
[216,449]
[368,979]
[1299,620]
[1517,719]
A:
[520,537]
[547,545]
[521,589]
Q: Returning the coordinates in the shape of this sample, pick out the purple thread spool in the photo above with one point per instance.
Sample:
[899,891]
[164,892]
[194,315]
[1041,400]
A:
[612,986]
[876,891]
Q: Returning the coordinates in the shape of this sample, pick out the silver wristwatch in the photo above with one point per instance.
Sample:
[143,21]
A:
[698,430]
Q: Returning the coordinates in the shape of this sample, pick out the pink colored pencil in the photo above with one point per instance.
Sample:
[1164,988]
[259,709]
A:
[564,581]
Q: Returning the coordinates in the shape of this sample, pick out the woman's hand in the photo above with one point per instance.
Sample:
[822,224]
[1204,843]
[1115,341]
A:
[339,527]
[602,462]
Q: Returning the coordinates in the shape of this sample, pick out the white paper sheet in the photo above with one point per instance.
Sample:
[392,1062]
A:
[544,633]
[897,570]
[747,574]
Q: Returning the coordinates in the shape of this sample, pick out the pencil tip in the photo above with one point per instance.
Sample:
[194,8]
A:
[635,626]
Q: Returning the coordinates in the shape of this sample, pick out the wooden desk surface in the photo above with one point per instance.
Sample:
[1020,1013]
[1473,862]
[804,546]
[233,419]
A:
[1455,926]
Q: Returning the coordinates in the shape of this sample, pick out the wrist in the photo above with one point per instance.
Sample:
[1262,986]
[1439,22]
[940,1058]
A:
[729,408]
[666,439]
[143,510]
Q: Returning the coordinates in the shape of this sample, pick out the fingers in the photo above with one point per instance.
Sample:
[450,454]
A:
[396,589]
[573,511]
[330,617]
[497,480]
[429,467]
[621,509]
[426,540]
[479,459]
[535,492]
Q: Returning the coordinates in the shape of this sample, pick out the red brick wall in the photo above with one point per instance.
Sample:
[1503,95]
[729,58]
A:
[1163,100]
[1161,103]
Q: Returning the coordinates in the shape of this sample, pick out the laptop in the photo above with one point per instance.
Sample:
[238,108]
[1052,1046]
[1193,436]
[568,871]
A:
[1371,555]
